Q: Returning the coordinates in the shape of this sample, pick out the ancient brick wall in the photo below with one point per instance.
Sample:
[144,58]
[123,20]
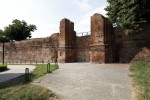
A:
[67,42]
[99,46]
[64,29]
[110,42]
[136,47]
[103,40]
[32,51]
[97,36]
[102,46]
[83,49]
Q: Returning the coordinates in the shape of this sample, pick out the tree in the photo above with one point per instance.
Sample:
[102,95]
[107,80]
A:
[1,32]
[3,37]
[19,30]
[128,14]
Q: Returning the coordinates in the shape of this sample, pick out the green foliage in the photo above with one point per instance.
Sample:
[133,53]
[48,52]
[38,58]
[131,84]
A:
[3,39]
[128,14]
[41,69]
[1,33]
[141,76]
[26,92]
[18,30]
[3,67]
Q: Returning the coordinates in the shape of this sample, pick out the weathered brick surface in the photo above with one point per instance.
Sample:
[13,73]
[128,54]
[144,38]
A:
[97,29]
[97,47]
[64,29]
[67,38]
[136,47]
[32,51]
[102,46]
[103,40]
[83,49]
[143,55]
[97,57]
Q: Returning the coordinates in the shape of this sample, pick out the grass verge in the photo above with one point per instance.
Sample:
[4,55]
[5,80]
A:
[41,69]
[19,89]
[141,77]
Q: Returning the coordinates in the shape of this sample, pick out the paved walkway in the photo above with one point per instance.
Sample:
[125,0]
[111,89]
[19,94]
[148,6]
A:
[84,81]
[14,71]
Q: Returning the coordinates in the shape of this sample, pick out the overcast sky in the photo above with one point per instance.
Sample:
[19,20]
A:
[46,14]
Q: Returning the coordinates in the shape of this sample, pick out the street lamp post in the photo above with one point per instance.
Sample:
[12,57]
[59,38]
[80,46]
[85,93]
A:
[3,41]
[3,53]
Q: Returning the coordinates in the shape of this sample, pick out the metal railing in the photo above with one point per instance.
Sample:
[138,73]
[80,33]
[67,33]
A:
[83,34]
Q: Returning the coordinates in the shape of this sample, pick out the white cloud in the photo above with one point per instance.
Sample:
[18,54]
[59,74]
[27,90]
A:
[53,28]
[46,14]
[84,24]
[82,4]
[99,10]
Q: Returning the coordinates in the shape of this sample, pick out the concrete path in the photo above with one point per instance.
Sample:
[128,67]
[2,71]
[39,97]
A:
[14,71]
[84,81]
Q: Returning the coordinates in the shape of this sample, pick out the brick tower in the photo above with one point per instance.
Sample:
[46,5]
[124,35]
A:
[67,38]
[102,35]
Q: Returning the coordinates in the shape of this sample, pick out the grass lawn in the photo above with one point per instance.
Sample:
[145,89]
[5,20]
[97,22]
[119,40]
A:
[3,67]
[19,89]
[141,77]
[41,69]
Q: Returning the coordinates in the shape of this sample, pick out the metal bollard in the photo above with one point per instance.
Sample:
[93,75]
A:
[48,68]
[27,74]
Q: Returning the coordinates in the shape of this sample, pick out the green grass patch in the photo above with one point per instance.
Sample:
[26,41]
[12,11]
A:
[3,67]
[41,69]
[20,89]
[141,77]
[26,92]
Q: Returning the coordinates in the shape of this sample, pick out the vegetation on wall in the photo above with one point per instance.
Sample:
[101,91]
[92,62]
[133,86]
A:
[18,30]
[128,14]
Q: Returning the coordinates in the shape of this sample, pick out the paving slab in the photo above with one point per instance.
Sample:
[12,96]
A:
[85,81]
[14,71]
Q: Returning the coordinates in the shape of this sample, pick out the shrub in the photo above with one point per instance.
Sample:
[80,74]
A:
[3,67]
